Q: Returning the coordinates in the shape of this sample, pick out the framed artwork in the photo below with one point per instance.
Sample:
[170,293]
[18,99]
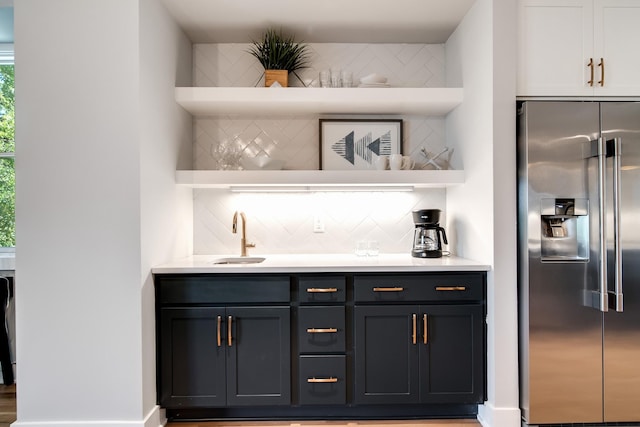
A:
[355,144]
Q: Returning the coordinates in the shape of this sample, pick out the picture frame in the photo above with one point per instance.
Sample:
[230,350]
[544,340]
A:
[355,144]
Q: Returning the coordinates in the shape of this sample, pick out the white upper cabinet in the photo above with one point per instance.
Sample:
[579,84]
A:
[616,43]
[579,48]
[555,44]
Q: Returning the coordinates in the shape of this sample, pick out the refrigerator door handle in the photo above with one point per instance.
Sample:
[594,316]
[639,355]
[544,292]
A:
[602,276]
[617,163]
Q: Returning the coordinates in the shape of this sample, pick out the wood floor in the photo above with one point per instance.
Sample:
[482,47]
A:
[8,415]
[7,404]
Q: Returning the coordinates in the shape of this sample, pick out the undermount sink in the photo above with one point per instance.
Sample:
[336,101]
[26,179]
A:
[239,260]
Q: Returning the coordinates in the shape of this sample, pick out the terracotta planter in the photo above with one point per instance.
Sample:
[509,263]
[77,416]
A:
[280,76]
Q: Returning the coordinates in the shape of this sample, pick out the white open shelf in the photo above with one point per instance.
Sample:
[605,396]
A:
[203,101]
[320,179]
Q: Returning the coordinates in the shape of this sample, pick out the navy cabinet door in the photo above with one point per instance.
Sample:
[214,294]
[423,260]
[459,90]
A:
[192,362]
[386,354]
[452,359]
[258,359]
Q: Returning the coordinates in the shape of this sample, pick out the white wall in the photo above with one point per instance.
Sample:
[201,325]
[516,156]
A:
[481,56]
[166,217]
[77,210]
[503,409]
[470,131]
[87,199]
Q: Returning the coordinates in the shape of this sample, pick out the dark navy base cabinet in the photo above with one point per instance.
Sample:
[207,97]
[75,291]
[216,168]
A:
[419,354]
[215,349]
[321,346]
[192,371]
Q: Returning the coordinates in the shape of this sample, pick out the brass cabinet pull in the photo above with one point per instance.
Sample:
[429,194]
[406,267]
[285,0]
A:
[321,290]
[229,339]
[590,65]
[394,289]
[413,334]
[451,288]
[322,330]
[424,328]
[322,380]
[601,65]
[219,325]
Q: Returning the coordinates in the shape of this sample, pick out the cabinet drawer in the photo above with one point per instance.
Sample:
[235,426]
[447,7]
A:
[216,289]
[321,329]
[414,287]
[321,289]
[323,380]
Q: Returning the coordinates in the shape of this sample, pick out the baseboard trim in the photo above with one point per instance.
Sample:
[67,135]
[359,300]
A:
[155,418]
[490,416]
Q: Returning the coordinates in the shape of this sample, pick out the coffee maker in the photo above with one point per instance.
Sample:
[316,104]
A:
[428,235]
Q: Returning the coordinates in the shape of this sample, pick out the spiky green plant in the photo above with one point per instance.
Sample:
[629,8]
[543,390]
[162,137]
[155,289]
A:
[276,51]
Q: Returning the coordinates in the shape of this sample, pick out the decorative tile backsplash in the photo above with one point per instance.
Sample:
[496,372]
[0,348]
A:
[404,65]
[283,222]
[295,139]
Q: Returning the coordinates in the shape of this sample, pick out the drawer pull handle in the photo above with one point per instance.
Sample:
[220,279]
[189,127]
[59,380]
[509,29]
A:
[322,380]
[229,339]
[322,330]
[451,288]
[394,289]
[219,325]
[414,332]
[321,290]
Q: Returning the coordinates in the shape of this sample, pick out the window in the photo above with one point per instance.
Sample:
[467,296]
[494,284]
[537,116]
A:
[7,149]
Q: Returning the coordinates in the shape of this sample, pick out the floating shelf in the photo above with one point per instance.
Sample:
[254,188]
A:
[207,101]
[315,180]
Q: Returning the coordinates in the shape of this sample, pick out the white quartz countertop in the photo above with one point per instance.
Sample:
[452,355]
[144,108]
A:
[309,263]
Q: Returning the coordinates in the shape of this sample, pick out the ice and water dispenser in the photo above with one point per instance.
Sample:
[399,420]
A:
[565,230]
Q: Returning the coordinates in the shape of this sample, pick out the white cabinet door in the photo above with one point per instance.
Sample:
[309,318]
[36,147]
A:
[558,39]
[617,42]
[555,44]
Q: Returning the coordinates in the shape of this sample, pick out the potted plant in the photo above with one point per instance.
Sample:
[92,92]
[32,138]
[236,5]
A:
[280,55]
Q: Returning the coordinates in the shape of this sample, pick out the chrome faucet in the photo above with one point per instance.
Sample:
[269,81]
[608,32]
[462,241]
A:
[243,240]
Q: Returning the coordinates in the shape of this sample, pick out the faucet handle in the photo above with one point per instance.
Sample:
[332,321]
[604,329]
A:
[250,245]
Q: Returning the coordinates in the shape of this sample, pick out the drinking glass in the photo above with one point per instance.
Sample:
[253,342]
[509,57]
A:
[336,75]
[362,247]
[346,78]
[325,80]
[373,248]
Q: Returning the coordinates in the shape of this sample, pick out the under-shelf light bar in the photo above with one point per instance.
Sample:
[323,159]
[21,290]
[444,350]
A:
[318,188]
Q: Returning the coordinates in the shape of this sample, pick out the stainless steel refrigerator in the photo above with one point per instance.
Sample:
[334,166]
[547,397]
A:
[579,261]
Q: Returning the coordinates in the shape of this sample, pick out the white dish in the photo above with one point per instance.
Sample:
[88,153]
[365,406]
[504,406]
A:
[373,78]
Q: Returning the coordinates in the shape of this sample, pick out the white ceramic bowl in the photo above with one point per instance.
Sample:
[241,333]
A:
[261,163]
[372,79]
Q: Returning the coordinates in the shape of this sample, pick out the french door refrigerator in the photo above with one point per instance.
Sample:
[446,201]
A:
[579,261]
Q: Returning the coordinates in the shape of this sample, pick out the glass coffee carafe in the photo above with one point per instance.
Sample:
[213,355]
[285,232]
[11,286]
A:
[428,235]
